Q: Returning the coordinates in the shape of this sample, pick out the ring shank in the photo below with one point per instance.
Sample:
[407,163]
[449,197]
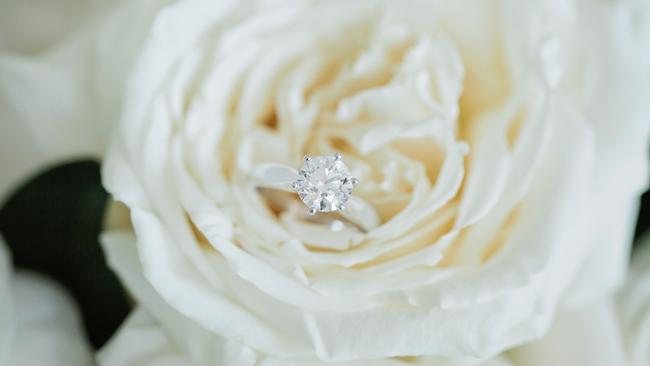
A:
[281,177]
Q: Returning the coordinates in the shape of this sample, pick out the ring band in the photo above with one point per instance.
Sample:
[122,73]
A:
[323,184]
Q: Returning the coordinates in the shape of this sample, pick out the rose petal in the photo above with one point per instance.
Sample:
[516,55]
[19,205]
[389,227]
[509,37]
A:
[586,336]
[140,341]
[187,338]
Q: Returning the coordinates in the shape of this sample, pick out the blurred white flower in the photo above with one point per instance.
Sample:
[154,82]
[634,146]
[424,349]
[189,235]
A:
[39,323]
[634,307]
[61,90]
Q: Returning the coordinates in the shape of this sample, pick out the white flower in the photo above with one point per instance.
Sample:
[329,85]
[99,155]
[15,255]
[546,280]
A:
[39,324]
[492,139]
[60,87]
[503,144]
[634,307]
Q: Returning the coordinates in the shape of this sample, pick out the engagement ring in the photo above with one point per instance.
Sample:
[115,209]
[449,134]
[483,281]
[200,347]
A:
[324,184]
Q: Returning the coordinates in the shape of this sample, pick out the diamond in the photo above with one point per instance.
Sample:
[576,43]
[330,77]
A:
[324,183]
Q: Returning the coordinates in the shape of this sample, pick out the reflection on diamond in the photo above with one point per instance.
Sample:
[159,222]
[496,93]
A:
[324,183]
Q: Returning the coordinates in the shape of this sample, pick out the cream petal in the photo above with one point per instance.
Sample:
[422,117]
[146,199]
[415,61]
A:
[372,249]
[190,341]
[584,336]
[484,83]
[528,149]
[539,242]
[208,120]
[389,285]
[254,215]
[142,341]
[369,137]
[489,165]
[138,342]
[279,285]
[322,236]
[175,279]
[255,100]
[294,113]
[425,203]
[381,104]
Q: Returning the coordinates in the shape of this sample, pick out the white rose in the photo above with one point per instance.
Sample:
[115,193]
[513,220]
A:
[477,251]
[39,323]
[494,140]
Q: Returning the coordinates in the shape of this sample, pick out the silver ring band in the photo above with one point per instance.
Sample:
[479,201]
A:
[288,179]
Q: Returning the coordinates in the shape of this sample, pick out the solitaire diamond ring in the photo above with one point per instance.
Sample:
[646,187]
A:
[324,184]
